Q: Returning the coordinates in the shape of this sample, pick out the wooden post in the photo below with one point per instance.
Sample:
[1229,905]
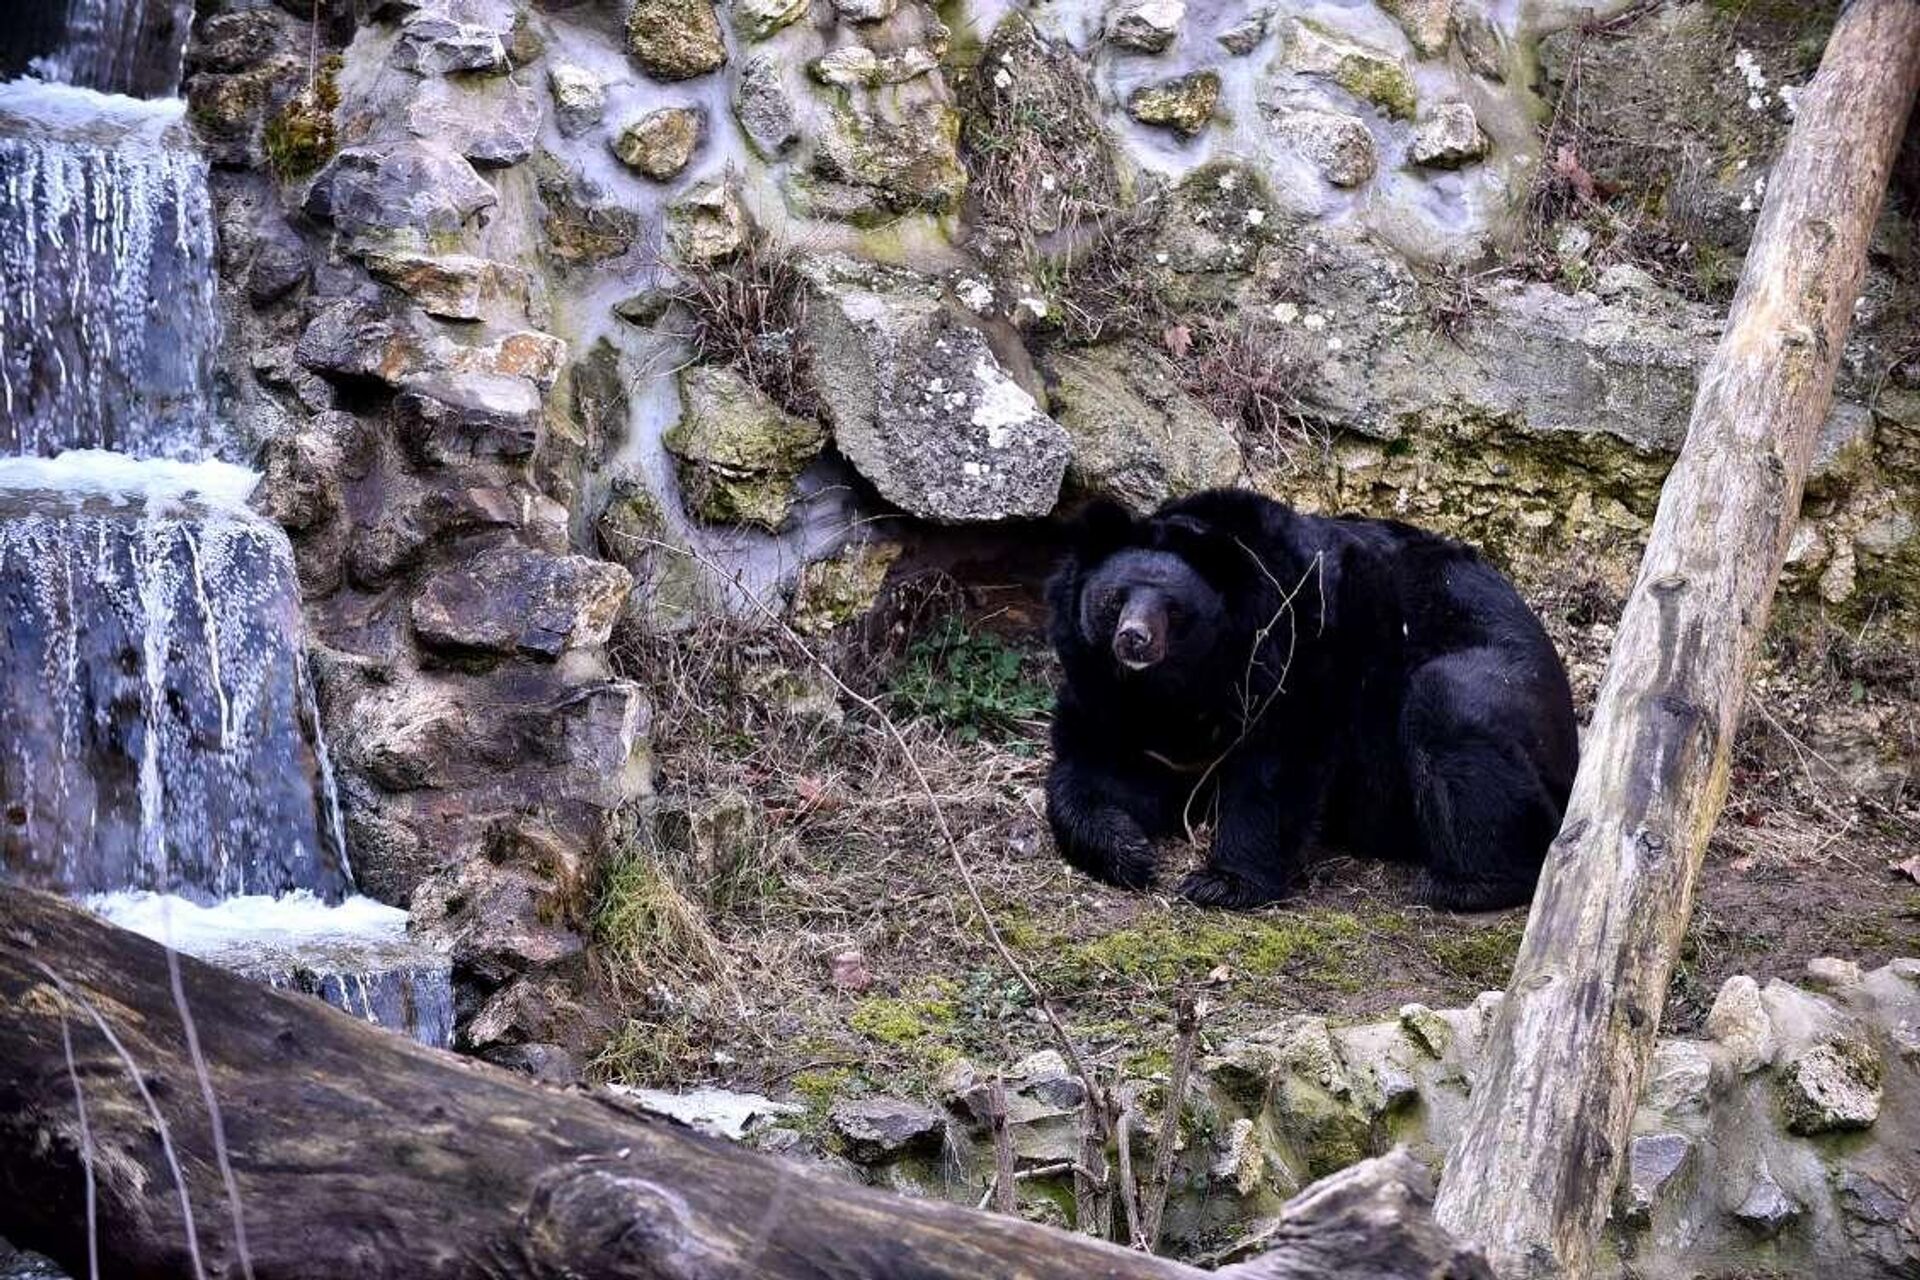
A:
[355,1152]
[1532,1174]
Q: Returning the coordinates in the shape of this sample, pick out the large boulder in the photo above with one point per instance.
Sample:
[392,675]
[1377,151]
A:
[1138,437]
[412,192]
[919,403]
[738,453]
[493,122]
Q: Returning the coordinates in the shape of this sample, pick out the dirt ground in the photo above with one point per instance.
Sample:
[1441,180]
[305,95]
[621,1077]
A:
[816,939]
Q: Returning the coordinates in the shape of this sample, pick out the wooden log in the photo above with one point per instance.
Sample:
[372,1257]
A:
[1531,1176]
[355,1152]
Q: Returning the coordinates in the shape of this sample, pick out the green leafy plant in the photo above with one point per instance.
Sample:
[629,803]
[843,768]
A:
[973,684]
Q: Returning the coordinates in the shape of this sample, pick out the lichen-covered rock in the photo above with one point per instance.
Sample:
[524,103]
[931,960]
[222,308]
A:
[1148,26]
[495,922]
[764,108]
[1137,436]
[1340,146]
[882,1128]
[1183,104]
[758,19]
[1429,1032]
[675,39]
[1448,138]
[856,66]
[1428,23]
[919,404]
[511,599]
[661,143]
[889,159]
[493,122]
[738,452]
[582,224]
[407,193]
[433,44]
[1832,1086]
[1369,74]
[453,286]
[1679,1079]
[837,590]
[709,223]
[441,420]
[579,98]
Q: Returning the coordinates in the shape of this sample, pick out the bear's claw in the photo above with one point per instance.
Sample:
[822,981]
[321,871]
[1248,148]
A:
[1211,887]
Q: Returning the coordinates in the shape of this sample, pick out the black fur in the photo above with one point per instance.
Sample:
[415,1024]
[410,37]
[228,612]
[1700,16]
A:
[1359,684]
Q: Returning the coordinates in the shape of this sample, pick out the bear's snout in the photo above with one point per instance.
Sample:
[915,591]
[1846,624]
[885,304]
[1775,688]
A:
[1140,639]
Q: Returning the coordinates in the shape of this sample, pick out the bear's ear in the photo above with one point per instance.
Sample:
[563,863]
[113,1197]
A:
[1099,528]
[1212,551]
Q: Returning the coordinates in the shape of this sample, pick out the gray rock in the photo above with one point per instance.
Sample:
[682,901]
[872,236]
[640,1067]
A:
[1831,1087]
[579,99]
[347,337]
[764,108]
[1448,138]
[1766,1208]
[661,143]
[581,223]
[1428,23]
[866,10]
[1429,1031]
[919,404]
[493,123]
[856,66]
[510,599]
[1679,1078]
[1340,146]
[1656,1163]
[1244,36]
[877,1129]
[441,420]
[235,41]
[491,919]
[675,39]
[433,44]
[547,1063]
[416,191]
[279,264]
[1137,437]
[758,19]
[1828,973]
[1881,1217]
[709,223]
[1148,26]
[1738,1022]
[1184,104]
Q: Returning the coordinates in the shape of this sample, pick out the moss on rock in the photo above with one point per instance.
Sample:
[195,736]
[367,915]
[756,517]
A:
[737,452]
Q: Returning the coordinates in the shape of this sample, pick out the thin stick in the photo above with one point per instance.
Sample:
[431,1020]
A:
[86,1146]
[1004,1198]
[1092,1211]
[1129,1189]
[1186,1021]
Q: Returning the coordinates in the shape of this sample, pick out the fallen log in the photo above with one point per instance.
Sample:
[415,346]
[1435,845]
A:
[355,1152]
[1532,1174]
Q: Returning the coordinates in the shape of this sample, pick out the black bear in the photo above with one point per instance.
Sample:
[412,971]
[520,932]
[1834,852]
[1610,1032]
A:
[1348,683]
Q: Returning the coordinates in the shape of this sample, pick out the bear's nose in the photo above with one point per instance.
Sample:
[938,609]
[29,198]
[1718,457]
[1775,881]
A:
[1134,645]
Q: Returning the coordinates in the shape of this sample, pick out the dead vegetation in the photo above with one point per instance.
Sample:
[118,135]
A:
[748,312]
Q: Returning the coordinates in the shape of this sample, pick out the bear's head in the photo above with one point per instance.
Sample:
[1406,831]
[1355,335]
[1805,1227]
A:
[1143,599]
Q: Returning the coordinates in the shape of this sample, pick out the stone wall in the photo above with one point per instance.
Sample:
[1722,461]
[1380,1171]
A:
[1785,1143]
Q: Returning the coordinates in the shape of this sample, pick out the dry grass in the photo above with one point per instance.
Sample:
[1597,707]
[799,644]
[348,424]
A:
[749,312]
[1252,375]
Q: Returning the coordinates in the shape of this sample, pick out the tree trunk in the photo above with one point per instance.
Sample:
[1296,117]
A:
[355,1152]
[1532,1174]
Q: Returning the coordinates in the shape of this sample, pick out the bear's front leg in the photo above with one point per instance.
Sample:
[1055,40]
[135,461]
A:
[1092,828]
[1269,808]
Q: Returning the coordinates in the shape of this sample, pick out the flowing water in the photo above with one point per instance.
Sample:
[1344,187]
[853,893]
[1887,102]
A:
[160,749]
